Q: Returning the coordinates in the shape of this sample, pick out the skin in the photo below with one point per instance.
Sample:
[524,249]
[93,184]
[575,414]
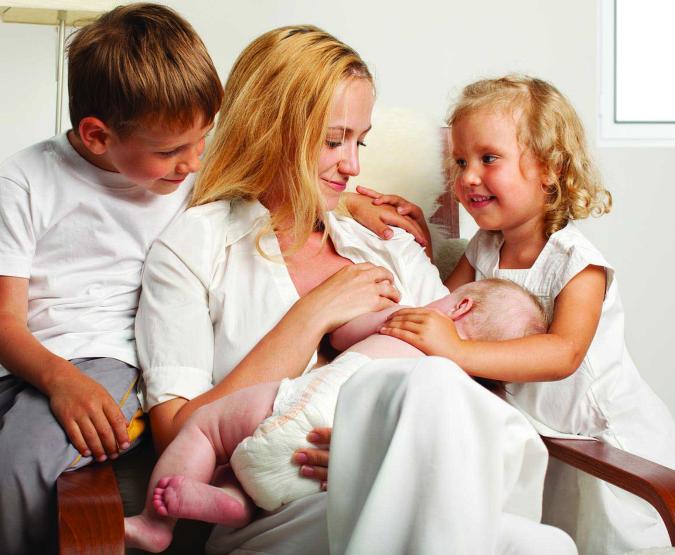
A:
[332,290]
[501,184]
[157,160]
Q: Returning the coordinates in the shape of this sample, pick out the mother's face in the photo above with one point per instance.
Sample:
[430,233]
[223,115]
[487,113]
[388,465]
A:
[348,123]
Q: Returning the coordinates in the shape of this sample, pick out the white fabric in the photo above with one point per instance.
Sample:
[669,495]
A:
[81,235]
[262,462]
[605,399]
[425,460]
[209,297]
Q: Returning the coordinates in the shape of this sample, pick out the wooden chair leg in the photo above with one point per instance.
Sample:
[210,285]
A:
[90,516]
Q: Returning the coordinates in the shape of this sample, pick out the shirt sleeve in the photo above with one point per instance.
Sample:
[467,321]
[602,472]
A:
[174,332]
[418,274]
[17,236]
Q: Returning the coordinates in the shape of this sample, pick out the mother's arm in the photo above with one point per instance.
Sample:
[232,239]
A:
[175,332]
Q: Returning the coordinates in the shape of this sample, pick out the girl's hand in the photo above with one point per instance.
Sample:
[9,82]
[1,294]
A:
[315,461]
[377,212]
[350,292]
[430,331]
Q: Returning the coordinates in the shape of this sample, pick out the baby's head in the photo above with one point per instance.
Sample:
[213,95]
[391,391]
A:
[143,92]
[495,310]
[548,128]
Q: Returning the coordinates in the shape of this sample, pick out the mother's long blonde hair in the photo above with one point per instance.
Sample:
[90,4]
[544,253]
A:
[272,124]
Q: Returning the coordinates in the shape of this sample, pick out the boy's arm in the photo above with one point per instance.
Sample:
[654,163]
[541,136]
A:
[90,417]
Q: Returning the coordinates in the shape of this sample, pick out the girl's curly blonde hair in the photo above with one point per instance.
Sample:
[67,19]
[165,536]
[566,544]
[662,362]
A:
[549,126]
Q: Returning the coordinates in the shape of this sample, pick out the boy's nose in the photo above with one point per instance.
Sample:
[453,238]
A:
[189,164]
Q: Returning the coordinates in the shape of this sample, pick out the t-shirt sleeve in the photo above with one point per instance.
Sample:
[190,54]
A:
[17,236]
[573,262]
[174,332]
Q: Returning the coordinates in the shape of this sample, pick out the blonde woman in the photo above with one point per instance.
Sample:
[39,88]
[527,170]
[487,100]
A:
[243,287]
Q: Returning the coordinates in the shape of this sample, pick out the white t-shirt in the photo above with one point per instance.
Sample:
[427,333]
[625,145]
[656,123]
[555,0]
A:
[80,234]
[223,296]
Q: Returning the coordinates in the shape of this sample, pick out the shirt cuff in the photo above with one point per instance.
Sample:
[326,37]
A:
[163,383]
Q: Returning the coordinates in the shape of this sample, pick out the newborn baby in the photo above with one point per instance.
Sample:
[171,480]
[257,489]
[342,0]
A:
[257,429]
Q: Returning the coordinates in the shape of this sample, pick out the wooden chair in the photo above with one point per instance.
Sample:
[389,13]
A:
[90,509]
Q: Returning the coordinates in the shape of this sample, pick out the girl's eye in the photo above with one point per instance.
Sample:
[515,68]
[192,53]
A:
[489,158]
[168,154]
[333,144]
[361,143]
[461,163]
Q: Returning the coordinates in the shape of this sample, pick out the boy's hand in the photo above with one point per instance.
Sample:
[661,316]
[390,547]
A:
[315,461]
[90,417]
[430,331]
[377,212]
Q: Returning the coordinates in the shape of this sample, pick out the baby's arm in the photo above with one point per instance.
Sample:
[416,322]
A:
[359,328]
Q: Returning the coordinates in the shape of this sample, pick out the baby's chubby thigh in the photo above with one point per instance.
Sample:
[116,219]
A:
[229,420]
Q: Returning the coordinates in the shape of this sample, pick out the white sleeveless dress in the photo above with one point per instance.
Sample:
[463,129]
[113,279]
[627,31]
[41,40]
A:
[604,399]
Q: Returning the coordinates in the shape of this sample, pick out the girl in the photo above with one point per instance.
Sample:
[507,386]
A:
[522,170]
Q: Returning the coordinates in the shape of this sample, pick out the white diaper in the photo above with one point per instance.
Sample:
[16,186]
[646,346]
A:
[262,462]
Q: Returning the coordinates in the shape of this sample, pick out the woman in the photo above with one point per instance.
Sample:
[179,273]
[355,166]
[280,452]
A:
[242,288]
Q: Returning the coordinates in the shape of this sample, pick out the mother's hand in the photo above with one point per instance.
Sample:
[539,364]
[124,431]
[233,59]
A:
[315,461]
[350,292]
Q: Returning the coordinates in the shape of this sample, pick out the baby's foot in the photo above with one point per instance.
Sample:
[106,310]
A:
[182,497]
[148,533]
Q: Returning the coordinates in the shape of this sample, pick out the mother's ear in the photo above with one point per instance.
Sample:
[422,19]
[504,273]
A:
[461,309]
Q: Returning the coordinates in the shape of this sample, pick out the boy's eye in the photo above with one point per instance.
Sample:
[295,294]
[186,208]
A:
[461,163]
[168,154]
[489,158]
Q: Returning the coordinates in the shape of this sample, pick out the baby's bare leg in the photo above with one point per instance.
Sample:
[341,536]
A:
[180,485]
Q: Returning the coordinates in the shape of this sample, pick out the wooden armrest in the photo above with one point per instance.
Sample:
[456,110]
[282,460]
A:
[651,481]
[90,516]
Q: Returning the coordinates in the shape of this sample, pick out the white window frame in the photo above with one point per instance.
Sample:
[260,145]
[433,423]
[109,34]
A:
[612,132]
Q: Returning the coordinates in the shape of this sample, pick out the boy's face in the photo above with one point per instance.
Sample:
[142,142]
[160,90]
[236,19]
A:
[156,158]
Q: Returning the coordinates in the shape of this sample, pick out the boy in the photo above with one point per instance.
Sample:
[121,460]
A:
[230,429]
[78,214]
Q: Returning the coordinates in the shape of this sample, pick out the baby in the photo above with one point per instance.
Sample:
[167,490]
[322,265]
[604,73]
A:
[257,429]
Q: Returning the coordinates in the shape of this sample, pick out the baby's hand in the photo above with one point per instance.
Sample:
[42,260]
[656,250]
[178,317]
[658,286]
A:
[315,461]
[89,415]
[430,331]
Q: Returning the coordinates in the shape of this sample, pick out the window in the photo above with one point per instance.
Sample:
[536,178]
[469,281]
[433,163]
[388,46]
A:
[637,87]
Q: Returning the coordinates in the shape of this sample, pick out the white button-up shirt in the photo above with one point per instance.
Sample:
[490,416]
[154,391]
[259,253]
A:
[209,296]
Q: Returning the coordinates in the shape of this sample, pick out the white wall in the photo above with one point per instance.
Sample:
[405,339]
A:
[422,53]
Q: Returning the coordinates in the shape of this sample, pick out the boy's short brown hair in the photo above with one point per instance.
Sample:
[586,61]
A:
[140,64]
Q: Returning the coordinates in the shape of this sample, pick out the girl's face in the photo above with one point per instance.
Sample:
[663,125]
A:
[500,184]
[348,124]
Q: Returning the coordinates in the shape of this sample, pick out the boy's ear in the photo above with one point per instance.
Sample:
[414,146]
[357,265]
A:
[461,309]
[94,134]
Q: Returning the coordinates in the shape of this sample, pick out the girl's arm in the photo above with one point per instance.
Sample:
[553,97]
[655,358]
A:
[543,357]
[377,212]
[462,273]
